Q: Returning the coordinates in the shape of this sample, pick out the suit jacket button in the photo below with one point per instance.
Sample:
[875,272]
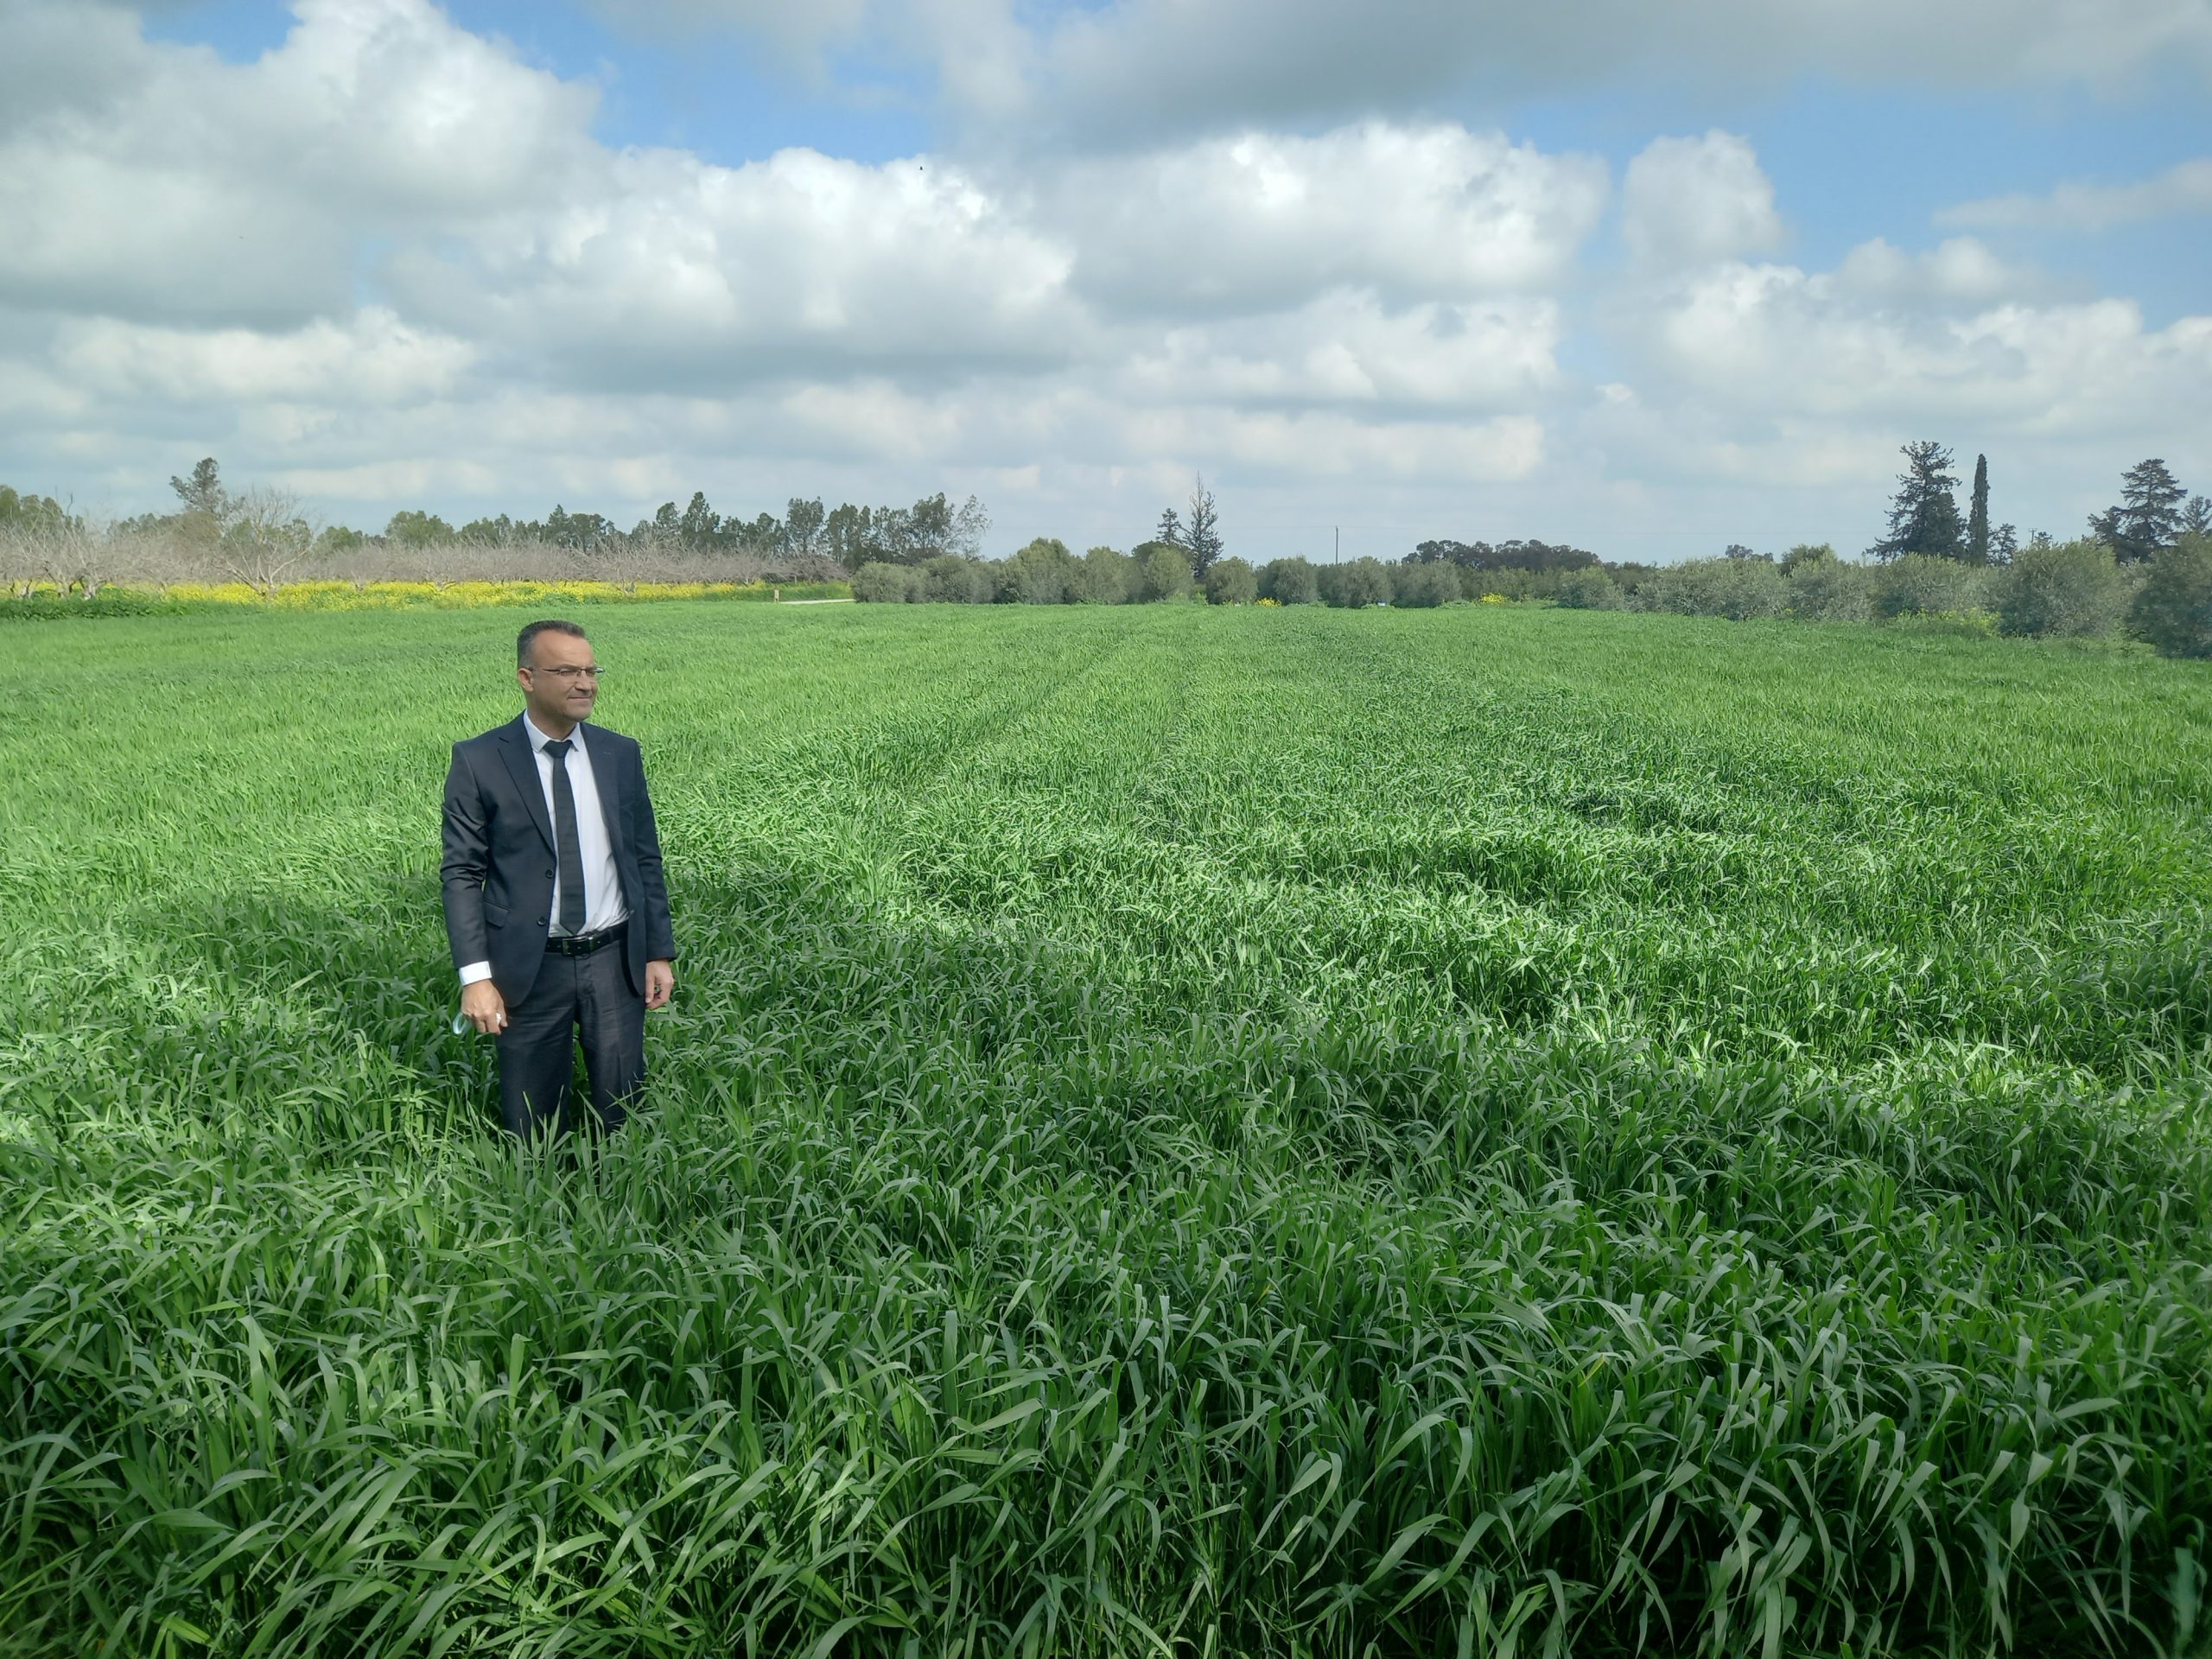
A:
[541,921]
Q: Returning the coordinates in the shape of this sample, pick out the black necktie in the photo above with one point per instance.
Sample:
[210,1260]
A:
[564,839]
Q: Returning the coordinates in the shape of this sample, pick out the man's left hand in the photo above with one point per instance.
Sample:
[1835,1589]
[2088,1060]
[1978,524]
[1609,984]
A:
[660,983]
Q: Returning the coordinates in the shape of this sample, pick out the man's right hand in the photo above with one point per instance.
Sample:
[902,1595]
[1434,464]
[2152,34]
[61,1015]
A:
[484,1007]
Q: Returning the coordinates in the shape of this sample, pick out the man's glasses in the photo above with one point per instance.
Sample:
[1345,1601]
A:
[571,673]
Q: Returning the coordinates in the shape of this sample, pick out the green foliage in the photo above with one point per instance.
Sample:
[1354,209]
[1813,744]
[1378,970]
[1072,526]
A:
[1736,588]
[1355,583]
[32,515]
[1041,573]
[2149,516]
[202,492]
[1388,1135]
[1805,555]
[414,528]
[1163,571]
[1201,537]
[1231,582]
[2071,588]
[1104,576]
[1919,584]
[1289,581]
[1978,544]
[955,579]
[1923,514]
[49,608]
[1588,589]
[1825,589]
[1517,555]
[2173,611]
[804,525]
[889,584]
[336,540]
[1424,587]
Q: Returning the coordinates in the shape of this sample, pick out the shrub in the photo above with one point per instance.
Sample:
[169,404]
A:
[2064,589]
[1231,582]
[955,579]
[887,584]
[1038,575]
[2174,609]
[1919,585]
[1362,582]
[1588,589]
[1735,588]
[48,608]
[1474,584]
[1102,576]
[1807,554]
[1289,581]
[1163,571]
[1425,585]
[1829,590]
[1516,584]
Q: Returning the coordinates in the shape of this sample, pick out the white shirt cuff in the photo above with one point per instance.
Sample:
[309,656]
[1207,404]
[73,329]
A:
[475,971]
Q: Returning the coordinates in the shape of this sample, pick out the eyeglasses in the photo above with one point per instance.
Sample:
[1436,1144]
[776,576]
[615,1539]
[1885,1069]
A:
[570,672]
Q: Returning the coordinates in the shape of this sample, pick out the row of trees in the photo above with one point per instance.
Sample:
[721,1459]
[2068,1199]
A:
[807,537]
[2153,513]
[263,538]
[1043,573]
[1046,572]
[2079,589]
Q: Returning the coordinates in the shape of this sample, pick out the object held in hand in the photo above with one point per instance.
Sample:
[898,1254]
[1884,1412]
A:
[461,1023]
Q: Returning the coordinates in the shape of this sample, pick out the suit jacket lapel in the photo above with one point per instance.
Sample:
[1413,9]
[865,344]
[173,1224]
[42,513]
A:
[514,743]
[608,777]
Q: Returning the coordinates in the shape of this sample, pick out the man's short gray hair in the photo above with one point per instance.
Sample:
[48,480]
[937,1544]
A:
[529,636]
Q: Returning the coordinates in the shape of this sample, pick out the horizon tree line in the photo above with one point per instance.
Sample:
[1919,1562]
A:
[2154,511]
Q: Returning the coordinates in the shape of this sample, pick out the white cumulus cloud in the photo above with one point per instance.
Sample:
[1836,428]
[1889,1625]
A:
[1693,201]
[1261,220]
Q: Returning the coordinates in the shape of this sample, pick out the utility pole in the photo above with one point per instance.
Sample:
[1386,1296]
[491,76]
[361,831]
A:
[1337,531]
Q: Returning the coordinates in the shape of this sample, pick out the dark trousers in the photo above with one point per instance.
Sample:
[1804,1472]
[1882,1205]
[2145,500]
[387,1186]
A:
[586,997]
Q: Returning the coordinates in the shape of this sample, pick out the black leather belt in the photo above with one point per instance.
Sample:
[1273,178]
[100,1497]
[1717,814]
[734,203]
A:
[583,945]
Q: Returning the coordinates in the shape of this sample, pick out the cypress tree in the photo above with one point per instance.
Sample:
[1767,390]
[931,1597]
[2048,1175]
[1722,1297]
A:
[1978,514]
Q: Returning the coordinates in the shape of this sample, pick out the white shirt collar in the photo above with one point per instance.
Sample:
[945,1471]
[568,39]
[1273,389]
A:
[539,739]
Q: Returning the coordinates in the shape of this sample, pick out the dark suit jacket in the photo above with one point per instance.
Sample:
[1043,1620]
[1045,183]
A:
[499,858]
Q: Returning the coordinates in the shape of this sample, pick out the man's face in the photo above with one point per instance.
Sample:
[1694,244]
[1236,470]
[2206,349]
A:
[561,681]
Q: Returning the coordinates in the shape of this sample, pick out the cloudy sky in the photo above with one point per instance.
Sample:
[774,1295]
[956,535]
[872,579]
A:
[1651,279]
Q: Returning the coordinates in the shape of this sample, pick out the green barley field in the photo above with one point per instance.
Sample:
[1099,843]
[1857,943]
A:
[1182,1132]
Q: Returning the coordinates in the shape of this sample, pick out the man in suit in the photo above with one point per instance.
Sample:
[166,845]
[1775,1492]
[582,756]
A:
[556,907]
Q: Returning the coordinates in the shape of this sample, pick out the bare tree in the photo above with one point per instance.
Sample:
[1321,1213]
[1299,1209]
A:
[73,557]
[265,538]
[18,563]
[158,559]
[628,560]
[970,525]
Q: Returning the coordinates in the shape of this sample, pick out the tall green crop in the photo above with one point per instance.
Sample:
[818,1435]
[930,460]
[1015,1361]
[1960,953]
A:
[1183,1130]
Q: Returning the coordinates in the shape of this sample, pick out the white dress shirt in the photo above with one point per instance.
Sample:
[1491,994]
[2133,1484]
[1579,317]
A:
[603,905]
